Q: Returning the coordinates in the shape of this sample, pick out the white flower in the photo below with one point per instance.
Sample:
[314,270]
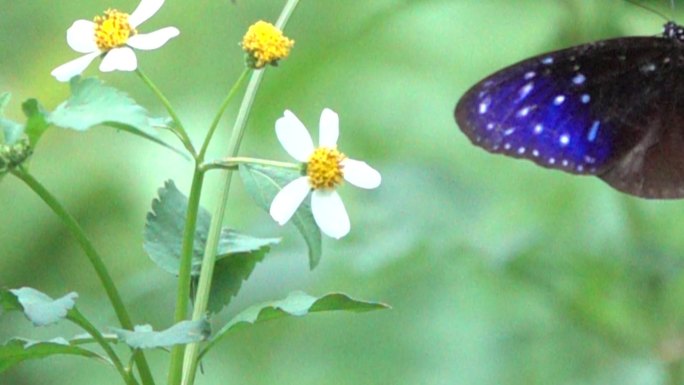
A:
[326,168]
[113,36]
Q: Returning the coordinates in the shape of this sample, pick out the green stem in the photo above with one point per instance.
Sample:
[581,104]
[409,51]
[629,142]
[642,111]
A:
[179,130]
[190,361]
[95,260]
[220,112]
[184,274]
[76,317]
[233,163]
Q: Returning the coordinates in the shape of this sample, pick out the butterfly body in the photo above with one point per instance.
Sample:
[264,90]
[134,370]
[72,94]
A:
[612,108]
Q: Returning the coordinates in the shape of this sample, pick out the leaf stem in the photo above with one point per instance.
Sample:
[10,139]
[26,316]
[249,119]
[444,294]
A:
[76,317]
[95,260]
[179,129]
[184,273]
[233,163]
[190,360]
[220,112]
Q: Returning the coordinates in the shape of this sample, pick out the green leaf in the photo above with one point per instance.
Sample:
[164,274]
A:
[93,103]
[237,253]
[36,122]
[17,350]
[297,304]
[38,307]
[185,332]
[263,183]
[229,273]
[9,302]
[147,136]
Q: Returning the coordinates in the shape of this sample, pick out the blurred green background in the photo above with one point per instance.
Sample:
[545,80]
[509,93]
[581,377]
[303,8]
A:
[498,271]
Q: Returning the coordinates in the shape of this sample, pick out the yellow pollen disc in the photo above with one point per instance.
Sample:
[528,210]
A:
[112,30]
[265,44]
[324,169]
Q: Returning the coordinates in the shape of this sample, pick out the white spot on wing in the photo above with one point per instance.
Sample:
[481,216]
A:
[523,112]
[530,75]
[558,100]
[650,67]
[547,60]
[525,90]
[538,129]
[585,98]
[484,105]
[579,79]
[564,139]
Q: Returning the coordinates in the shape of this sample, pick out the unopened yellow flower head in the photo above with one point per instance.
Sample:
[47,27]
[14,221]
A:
[265,44]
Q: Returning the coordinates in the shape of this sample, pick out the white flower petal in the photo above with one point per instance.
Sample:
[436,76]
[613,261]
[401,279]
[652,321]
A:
[360,174]
[328,128]
[145,10]
[68,70]
[329,213]
[121,59]
[153,40]
[288,200]
[81,36]
[294,137]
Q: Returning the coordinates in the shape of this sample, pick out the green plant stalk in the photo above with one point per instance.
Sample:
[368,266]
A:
[233,163]
[179,129]
[76,317]
[190,360]
[95,260]
[220,112]
[185,271]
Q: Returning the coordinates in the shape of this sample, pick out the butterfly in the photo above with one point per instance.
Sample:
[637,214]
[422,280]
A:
[613,108]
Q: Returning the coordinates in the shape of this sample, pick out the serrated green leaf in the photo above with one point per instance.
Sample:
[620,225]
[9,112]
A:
[185,332]
[38,307]
[237,253]
[93,103]
[263,184]
[229,273]
[18,350]
[36,122]
[297,304]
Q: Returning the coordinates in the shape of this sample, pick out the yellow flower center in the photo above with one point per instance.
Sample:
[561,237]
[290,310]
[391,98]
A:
[265,44]
[112,30]
[324,168]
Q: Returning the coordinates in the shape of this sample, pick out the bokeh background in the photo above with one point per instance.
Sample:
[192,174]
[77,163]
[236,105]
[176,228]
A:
[498,271]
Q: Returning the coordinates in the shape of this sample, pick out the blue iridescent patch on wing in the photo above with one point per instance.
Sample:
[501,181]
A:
[526,113]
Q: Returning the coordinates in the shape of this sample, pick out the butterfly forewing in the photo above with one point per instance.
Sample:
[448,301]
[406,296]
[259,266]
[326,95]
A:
[614,108]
